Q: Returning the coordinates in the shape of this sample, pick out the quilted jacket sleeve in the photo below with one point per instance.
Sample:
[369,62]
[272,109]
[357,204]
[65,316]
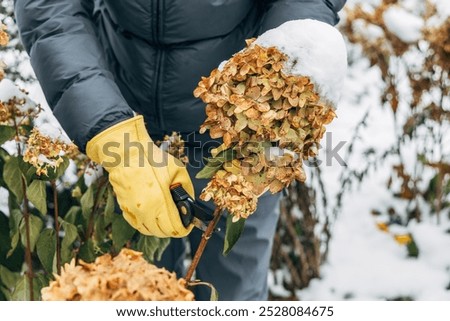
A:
[59,36]
[280,11]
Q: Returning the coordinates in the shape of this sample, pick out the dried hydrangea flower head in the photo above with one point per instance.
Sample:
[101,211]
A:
[17,112]
[251,99]
[126,277]
[174,145]
[233,192]
[4,40]
[44,152]
[270,119]
[4,37]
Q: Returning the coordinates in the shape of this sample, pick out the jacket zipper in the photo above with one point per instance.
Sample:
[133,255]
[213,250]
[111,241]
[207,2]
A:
[157,7]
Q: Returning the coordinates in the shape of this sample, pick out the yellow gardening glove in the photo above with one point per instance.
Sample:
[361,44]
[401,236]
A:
[141,174]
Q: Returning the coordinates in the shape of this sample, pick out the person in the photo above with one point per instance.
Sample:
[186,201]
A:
[102,62]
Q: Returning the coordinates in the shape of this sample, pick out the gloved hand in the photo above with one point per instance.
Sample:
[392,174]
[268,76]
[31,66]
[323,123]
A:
[141,174]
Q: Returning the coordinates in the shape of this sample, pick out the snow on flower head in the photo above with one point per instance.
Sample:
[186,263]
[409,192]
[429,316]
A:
[44,152]
[15,106]
[314,49]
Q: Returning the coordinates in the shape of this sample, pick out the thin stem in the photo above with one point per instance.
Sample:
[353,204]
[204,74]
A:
[26,215]
[201,247]
[57,227]
[100,190]
[28,260]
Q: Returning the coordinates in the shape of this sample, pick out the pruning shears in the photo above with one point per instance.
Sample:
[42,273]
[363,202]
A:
[190,211]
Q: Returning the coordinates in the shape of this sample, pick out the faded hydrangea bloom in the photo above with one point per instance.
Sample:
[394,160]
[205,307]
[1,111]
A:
[17,112]
[4,37]
[271,120]
[233,193]
[4,40]
[174,145]
[251,99]
[126,277]
[44,152]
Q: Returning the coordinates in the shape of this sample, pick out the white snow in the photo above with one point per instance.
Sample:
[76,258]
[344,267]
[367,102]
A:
[443,9]
[46,121]
[8,90]
[364,262]
[368,31]
[4,201]
[275,283]
[314,49]
[405,25]
[92,173]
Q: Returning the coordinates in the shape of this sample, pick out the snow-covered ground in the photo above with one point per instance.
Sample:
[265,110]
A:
[365,263]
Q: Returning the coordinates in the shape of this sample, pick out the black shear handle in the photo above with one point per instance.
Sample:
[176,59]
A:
[184,203]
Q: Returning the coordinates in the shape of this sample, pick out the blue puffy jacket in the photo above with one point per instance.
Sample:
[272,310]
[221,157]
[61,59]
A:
[98,61]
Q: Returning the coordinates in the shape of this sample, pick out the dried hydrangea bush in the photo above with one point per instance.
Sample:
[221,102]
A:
[126,277]
[270,121]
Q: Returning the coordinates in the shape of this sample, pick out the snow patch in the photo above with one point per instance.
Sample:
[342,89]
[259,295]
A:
[8,91]
[369,31]
[314,49]
[405,25]
[4,208]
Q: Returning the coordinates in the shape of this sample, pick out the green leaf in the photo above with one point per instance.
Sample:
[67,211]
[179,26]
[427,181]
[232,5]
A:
[13,177]
[14,241]
[223,157]
[59,171]
[37,195]
[36,225]
[4,294]
[87,251]
[6,133]
[87,201]
[30,174]
[412,248]
[121,232]
[14,232]
[215,163]
[40,281]
[27,169]
[72,215]
[232,233]
[208,171]
[70,233]
[109,207]
[46,248]
[8,278]
[5,239]
[70,236]
[153,247]
[214,294]
[100,231]
[221,148]
[22,288]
